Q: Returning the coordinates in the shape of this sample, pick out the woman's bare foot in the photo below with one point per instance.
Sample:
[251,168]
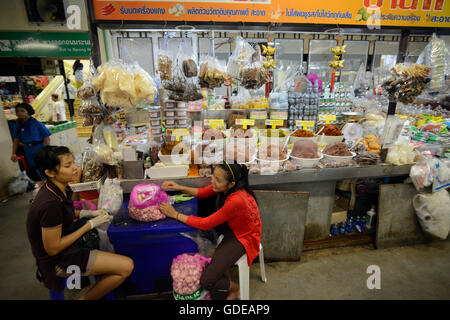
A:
[234,292]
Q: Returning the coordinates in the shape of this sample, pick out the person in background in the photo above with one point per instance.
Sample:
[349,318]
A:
[238,219]
[78,73]
[72,92]
[53,234]
[59,109]
[30,135]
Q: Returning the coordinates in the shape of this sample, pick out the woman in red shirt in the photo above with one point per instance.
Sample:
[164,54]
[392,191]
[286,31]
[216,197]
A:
[239,219]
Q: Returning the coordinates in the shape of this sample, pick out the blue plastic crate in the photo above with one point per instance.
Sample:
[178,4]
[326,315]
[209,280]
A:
[152,246]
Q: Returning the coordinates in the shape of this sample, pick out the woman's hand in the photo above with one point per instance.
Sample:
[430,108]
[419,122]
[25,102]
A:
[14,157]
[171,185]
[168,210]
[77,179]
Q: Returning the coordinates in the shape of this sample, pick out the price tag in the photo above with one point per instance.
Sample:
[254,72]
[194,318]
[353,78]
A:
[274,123]
[245,122]
[178,133]
[214,123]
[306,125]
[327,118]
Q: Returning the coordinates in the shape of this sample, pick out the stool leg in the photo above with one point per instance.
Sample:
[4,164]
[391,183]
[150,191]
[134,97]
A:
[244,280]
[54,295]
[261,265]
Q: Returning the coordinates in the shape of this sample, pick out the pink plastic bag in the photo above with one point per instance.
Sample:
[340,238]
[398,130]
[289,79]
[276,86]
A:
[146,195]
[186,271]
[148,214]
[84,205]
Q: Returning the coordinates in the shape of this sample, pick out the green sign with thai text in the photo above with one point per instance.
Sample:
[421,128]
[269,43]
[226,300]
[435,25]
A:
[45,44]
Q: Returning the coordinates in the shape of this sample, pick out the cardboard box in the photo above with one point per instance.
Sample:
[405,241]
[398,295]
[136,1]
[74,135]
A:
[342,203]
[338,215]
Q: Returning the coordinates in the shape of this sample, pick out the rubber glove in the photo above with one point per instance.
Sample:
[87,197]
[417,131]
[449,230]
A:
[183,197]
[99,220]
[91,213]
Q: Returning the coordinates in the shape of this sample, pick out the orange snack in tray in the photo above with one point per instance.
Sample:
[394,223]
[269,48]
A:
[193,170]
[303,133]
[330,130]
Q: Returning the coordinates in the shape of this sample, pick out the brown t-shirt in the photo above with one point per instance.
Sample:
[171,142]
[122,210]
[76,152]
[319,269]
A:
[51,208]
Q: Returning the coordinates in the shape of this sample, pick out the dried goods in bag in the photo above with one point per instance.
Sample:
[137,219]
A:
[123,85]
[436,56]
[241,55]
[212,73]
[254,75]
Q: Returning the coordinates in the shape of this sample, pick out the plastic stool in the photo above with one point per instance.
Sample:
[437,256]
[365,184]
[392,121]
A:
[244,272]
[54,295]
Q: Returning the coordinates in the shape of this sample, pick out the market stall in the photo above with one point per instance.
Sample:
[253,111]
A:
[324,126]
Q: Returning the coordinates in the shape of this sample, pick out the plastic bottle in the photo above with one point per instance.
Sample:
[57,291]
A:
[357,225]
[349,227]
[334,229]
[369,218]
[342,227]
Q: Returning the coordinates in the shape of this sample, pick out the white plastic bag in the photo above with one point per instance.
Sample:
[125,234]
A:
[435,55]
[111,196]
[433,213]
[19,183]
[105,244]
[241,55]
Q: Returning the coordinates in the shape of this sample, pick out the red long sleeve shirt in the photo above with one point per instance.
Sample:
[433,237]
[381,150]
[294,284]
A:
[241,213]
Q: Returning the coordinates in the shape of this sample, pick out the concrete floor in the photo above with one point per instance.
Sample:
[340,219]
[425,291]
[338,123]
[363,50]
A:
[413,272]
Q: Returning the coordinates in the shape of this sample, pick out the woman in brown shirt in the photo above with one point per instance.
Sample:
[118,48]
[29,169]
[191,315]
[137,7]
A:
[50,227]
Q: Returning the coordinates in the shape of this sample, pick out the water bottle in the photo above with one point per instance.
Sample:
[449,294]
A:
[334,229]
[349,227]
[357,225]
[369,218]
[362,224]
[342,228]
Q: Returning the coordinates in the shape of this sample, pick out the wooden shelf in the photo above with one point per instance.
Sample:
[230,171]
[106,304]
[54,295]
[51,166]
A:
[348,239]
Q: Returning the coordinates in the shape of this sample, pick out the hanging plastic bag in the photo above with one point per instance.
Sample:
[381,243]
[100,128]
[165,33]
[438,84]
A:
[186,59]
[123,85]
[294,76]
[435,55]
[111,196]
[212,73]
[91,111]
[186,271]
[165,60]
[254,76]
[105,154]
[92,170]
[432,211]
[360,85]
[86,91]
[241,55]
